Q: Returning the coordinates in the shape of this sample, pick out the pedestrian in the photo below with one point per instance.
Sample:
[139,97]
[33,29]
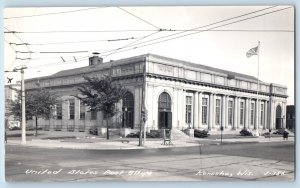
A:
[285,135]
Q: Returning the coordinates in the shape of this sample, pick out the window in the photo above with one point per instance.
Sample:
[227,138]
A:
[242,113]
[230,112]
[204,110]
[188,110]
[71,108]
[82,110]
[59,111]
[261,114]
[218,111]
[252,114]
[93,114]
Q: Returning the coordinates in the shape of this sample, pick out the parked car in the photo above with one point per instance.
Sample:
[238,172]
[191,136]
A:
[93,131]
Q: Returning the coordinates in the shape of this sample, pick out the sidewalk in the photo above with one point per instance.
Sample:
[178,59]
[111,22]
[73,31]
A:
[117,144]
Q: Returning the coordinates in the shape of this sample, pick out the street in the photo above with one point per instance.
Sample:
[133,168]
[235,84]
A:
[228,162]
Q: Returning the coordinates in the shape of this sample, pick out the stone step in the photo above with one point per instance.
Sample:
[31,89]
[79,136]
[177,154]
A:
[180,135]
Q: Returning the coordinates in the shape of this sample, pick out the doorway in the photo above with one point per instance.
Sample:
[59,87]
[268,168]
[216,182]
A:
[278,123]
[164,111]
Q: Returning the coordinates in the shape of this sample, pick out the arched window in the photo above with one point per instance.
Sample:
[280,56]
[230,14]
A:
[164,102]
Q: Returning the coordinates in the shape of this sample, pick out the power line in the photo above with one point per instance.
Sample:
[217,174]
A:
[53,13]
[151,34]
[60,63]
[16,55]
[139,18]
[16,51]
[72,42]
[169,30]
[31,52]
[83,31]
[214,23]
[204,30]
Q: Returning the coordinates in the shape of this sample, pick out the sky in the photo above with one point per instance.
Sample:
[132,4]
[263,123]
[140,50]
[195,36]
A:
[223,36]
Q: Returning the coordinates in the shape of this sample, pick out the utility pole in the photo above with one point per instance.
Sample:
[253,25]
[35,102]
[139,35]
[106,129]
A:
[23,104]
[144,112]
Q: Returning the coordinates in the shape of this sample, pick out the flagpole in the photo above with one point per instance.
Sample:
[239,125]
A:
[257,115]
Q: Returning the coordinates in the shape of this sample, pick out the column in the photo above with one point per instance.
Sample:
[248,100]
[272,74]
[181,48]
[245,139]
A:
[200,110]
[284,114]
[195,110]
[257,114]
[235,114]
[211,102]
[226,111]
[249,113]
[183,109]
[265,115]
[213,114]
[223,111]
[246,122]
[270,113]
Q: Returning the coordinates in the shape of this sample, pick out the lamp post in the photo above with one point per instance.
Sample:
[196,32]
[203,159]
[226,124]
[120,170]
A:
[222,128]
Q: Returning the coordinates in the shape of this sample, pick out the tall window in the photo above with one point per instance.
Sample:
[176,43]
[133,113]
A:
[218,111]
[230,112]
[82,110]
[242,113]
[71,108]
[204,110]
[188,110]
[59,111]
[261,114]
[93,114]
[252,114]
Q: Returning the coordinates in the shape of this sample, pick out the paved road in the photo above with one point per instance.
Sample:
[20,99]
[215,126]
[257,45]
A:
[231,162]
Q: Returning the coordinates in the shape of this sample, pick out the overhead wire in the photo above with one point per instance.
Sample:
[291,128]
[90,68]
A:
[16,55]
[59,63]
[53,13]
[146,36]
[194,30]
[32,52]
[207,25]
[73,42]
[203,30]
[16,51]
[139,18]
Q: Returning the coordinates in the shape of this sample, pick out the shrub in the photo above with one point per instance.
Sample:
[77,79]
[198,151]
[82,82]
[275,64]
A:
[200,133]
[245,132]
[280,131]
[155,134]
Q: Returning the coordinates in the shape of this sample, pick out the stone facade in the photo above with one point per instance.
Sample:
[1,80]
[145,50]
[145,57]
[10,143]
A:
[178,95]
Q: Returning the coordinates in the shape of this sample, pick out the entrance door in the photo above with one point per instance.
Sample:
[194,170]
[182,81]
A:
[164,111]
[165,120]
[278,117]
[128,110]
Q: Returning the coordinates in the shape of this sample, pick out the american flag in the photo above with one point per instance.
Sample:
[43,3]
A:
[252,51]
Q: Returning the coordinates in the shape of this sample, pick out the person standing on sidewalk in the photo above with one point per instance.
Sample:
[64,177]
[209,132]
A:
[285,135]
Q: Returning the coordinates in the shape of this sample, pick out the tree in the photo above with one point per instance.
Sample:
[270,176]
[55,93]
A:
[102,94]
[38,103]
